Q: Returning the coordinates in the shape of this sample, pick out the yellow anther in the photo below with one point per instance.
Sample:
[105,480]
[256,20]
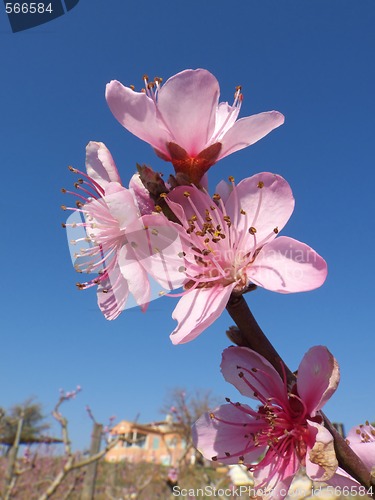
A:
[260,184]
[252,230]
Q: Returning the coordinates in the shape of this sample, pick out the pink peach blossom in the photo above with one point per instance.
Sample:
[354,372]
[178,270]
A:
[285,432]
[228,242]
[184,121]
[362,441]
[108,209]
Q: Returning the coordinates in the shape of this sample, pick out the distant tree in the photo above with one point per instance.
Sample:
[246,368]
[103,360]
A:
[33,423]
[184,408]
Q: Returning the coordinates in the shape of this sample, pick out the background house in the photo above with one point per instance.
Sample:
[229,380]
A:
[157,442]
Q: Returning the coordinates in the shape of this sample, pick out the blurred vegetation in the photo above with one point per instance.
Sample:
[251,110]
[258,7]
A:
[33,427]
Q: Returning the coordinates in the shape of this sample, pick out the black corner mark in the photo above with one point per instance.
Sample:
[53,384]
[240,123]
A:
[69,4]
[26,14]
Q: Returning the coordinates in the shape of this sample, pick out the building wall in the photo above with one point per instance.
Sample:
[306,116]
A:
[146,443]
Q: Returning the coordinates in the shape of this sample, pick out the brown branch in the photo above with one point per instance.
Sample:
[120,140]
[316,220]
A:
[71,463]
[249,334]
[12,475]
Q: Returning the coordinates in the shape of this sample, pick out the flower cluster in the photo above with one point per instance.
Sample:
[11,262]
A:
[177,233]
[155,237]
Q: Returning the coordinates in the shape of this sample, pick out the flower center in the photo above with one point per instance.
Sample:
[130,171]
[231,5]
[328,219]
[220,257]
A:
[221,249]
[277,425]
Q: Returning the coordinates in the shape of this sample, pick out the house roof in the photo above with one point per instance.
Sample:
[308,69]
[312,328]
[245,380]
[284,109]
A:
[162,427]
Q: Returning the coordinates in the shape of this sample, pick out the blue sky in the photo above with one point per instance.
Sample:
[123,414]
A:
[311,60]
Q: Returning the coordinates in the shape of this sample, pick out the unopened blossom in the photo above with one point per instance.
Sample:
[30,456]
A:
[184,121]
[228,242]
[285,432]
[108,209]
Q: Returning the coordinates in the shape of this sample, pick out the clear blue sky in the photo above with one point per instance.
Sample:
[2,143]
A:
[311,60]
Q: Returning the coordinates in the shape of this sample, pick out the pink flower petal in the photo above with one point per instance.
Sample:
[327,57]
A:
[224,189]
[249,130]
[226,116]
[286,266]
[192,201]
[342,478]
[321,461]
[135,276]
[277,477]
[187,104]
[197,310]
[143,199]
[268,202]
[100,165]
[257,370]
[137,113]
[214,438]
[121,204]
[318,378]
[362,441]
[112,294]
[157,246]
